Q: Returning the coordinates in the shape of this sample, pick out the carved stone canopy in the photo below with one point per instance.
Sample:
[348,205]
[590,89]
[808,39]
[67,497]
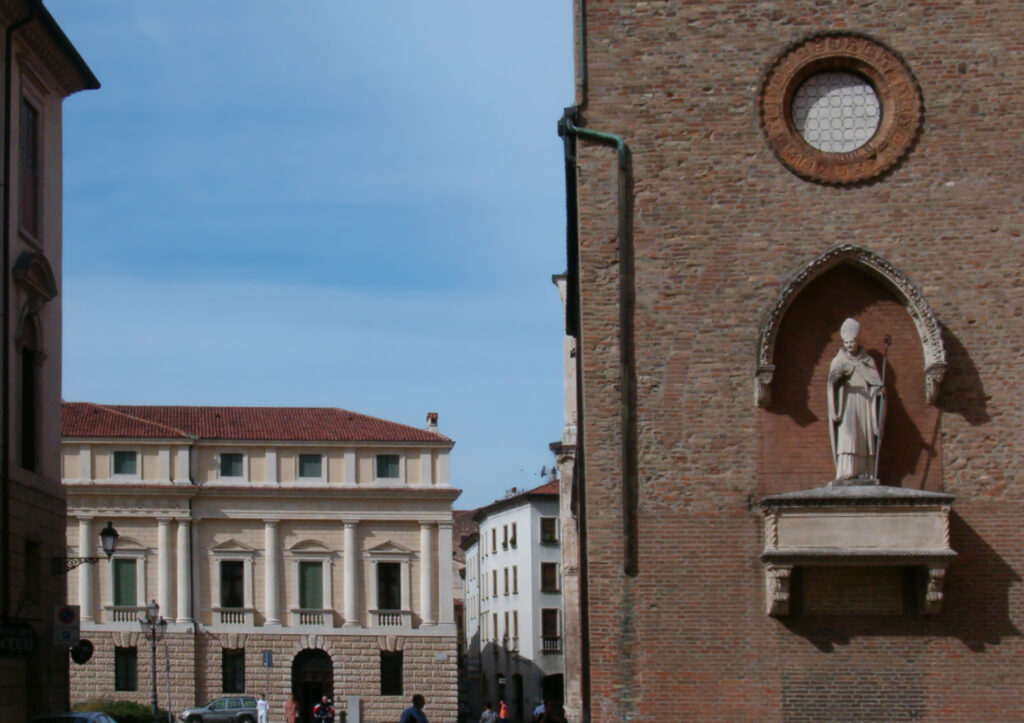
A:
[894,279]
[872,525]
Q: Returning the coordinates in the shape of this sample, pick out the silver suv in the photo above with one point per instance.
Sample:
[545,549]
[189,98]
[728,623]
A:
[230,709]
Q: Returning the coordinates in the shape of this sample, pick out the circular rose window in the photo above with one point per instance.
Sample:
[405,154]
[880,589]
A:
[836,112]
[839,108]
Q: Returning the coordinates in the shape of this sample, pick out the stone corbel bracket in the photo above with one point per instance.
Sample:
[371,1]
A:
[917,306]
[872,525]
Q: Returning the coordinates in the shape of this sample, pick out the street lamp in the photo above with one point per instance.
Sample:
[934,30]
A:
[108,537]
[153,626]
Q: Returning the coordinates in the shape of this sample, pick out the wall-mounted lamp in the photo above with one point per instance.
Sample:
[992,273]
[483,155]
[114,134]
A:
[108,536]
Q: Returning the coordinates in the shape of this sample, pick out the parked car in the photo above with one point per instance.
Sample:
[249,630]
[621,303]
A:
[229,709]
[81,717]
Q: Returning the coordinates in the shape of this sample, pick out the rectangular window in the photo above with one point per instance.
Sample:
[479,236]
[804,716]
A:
[232,584]
[389,586]
[494,626]
[126,669]
[125,582]
[391,672]
[550,639]
[311,466]
[494,539]
[549,530]
[515,623]
[515,579]
[504,540]
[311,585]
[506,581]
[513,540]
[232,662]
[387,466]
[125,463]
[549,577]
[30,168]
[231,464]
[494,583]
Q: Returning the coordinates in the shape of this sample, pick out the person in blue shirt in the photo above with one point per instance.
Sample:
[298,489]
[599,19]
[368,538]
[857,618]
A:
[414,713]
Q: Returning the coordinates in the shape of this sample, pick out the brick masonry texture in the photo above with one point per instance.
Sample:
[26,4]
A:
[719,227]
[195,676]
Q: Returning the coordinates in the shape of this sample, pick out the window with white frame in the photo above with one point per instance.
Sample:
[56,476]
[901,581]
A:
[125,463]
[388,466]
[311,466]
[549,577]
[494,583]
[232,465]
[551,639]
[549,530]
[515,579]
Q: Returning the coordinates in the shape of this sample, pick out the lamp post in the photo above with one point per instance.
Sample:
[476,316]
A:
[108,536]
[153,626]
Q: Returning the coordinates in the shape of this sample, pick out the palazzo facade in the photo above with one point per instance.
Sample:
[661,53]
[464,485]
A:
[291,550]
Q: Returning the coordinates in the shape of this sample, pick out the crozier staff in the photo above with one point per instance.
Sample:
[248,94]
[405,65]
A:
[856,407]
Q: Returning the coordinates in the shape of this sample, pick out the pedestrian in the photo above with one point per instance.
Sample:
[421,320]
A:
[553,713]
[291,710]
[262,709]
[502,710]
[414,713]
[489,716]
[538,712]
[323,712]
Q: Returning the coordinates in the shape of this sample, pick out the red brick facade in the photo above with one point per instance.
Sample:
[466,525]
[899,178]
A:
[716,227]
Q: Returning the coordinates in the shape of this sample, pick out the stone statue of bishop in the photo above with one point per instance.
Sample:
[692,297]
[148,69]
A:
[856,409]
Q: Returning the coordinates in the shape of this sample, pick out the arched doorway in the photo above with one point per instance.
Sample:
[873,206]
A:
[312,678]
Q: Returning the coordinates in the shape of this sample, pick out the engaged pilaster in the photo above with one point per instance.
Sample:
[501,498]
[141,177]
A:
[163,556]
[446,595]
[86,548]
[351,560]
[270,579]
[427,573]
[184,574]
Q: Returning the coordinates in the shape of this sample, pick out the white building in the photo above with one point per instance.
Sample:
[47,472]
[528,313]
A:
[321,536]
[513,603]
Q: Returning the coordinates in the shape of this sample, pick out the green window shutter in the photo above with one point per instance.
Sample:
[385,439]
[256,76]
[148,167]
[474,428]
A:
[125,584]
[311,585]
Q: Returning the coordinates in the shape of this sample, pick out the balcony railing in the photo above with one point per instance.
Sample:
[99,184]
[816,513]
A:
[126,613]
[311,616]
[551,644]
[391,618]
[233,616]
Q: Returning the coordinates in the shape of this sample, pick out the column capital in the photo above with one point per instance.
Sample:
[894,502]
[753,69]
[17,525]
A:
[446,524]
[272,522]
[349,522]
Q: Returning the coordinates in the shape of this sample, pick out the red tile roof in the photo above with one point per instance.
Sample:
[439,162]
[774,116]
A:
[313,424]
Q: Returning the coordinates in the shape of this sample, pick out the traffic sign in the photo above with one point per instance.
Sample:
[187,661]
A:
[66,624]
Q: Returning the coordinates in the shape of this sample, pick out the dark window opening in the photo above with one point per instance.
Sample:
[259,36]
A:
[391,672]
[387,466]
[126,669]
[549,577]
[389,586]
[232,579]
[233,670]
[231,464]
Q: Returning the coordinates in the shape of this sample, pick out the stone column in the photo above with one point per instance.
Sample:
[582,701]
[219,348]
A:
[445,592]
[427,573]
[163,556]
[351,566]
[184,573]
[270,591]
[86,548]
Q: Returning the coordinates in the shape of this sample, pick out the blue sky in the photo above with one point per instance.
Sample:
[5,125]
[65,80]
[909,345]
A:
[323,203]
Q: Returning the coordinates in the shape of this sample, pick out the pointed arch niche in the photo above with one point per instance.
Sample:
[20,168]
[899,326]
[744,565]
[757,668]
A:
[868,540]
[798,338]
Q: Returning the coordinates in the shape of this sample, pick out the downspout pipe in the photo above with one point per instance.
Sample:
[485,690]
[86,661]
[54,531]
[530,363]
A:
[5,405]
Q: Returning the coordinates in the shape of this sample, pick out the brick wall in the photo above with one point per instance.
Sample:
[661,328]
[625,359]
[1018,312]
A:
[719,227]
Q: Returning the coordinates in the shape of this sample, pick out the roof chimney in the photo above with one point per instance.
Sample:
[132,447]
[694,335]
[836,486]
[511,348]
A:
[431,421]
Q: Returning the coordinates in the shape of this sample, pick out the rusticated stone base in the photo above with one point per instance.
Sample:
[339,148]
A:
[429,667]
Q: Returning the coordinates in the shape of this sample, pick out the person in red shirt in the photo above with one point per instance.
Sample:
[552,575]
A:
[503,711]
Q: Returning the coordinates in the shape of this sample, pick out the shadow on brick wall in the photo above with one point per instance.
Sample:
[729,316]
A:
[962,392]
[975,610]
